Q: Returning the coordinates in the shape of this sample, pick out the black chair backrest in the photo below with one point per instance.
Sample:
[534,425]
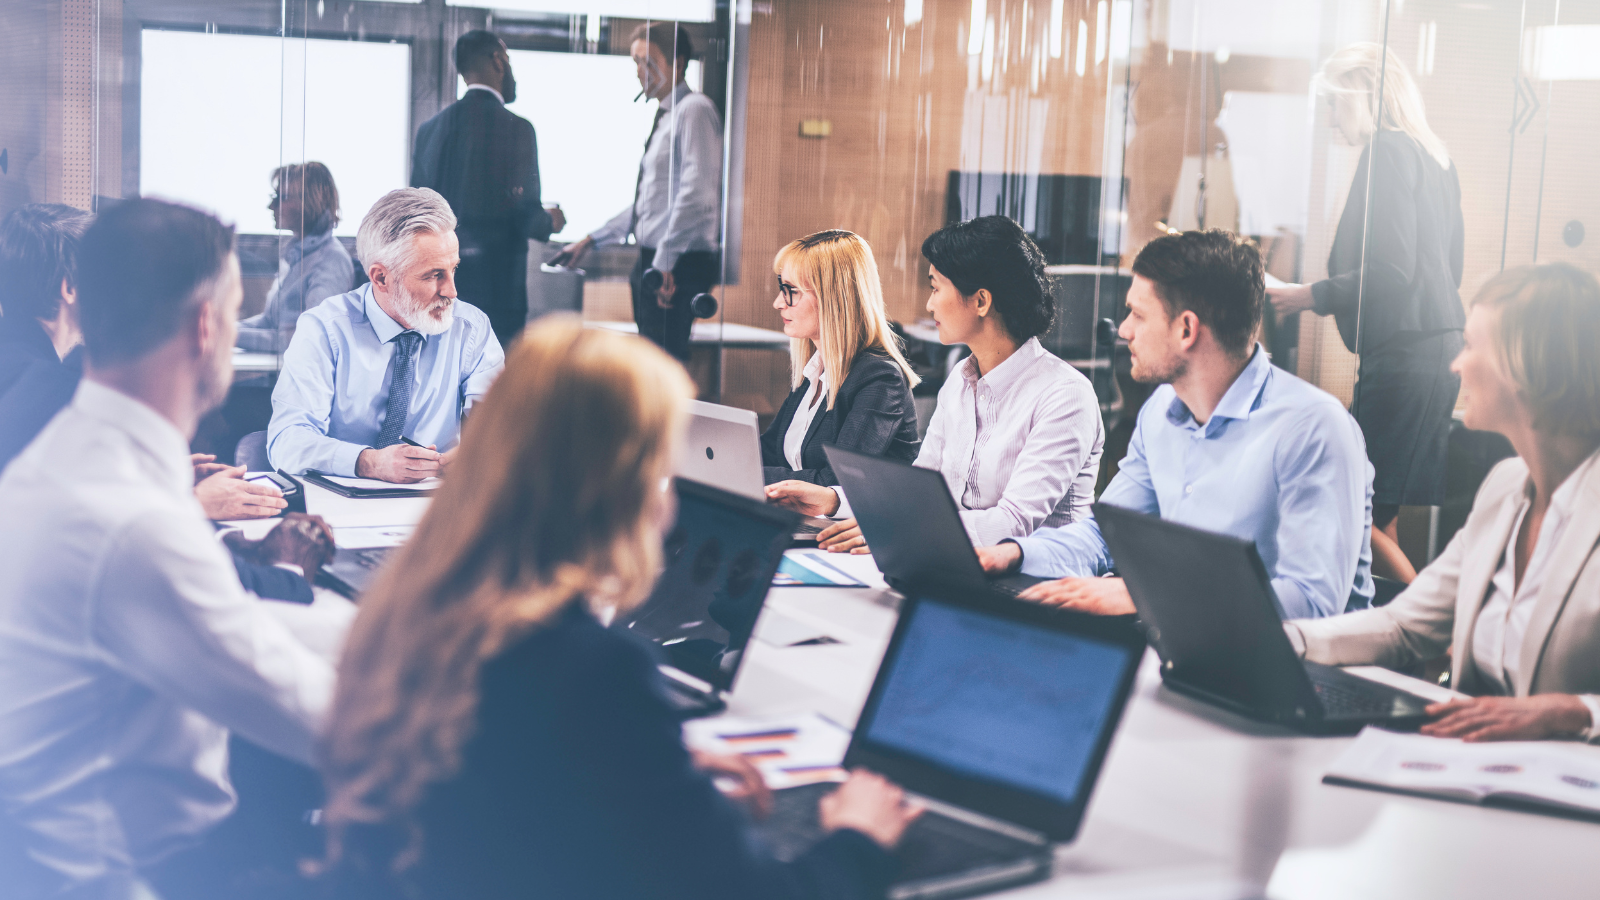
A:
[252,452]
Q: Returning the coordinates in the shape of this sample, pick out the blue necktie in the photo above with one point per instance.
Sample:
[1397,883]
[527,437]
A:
[394,416]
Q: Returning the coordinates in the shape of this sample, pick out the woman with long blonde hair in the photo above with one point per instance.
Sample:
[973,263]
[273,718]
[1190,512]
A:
[852,385]
[1394,274]
[490,737]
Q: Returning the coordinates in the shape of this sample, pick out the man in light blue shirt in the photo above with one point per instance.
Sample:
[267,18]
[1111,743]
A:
[400,358]
[1227,443]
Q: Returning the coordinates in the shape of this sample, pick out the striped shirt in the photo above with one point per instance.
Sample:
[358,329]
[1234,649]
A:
[1018,447]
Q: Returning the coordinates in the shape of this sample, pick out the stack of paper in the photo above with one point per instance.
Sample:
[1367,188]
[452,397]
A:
[1523,774]
[788,750]
[811,568]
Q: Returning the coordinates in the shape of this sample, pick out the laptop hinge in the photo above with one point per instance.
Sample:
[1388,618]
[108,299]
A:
[979,820]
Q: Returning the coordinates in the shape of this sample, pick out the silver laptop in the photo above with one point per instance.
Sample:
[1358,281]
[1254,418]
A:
[722,448]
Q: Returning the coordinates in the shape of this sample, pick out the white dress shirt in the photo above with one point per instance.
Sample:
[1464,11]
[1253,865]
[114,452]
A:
[1019,446]
[794,440]
[678,206]
[128,648]
[1498,632]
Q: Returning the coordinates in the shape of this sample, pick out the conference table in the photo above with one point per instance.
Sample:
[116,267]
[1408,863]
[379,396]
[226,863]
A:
[1193,802]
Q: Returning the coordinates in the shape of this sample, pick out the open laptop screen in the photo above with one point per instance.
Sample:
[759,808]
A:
[720,557]
[999,699]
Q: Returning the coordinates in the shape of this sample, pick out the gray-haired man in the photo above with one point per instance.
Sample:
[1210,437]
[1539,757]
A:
[397,358]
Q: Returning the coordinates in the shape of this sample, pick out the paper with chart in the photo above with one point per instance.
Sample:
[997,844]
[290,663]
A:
[1545,773]
[787,750]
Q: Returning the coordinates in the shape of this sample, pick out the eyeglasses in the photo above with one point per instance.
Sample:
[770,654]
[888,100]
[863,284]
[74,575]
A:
[788,292]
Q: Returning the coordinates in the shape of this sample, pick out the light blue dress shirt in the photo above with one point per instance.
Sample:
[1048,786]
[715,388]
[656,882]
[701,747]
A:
[1280,463]
[312,269]
[334,387]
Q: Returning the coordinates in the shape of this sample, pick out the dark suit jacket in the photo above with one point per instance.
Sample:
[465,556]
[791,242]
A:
[34,383]
[575,785]
[873,415]
[1414,251]
[484,159]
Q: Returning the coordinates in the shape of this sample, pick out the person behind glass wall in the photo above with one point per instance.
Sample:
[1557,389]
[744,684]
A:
[1516,594]
[492,739]
[1017,432]
[852,385]
[314,265]
[1401,311]
[484,159]
[677,201]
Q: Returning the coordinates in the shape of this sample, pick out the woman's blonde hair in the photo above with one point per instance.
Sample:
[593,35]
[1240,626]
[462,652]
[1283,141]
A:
[1353,74]
[557,497]
[1549,342]
[838,267]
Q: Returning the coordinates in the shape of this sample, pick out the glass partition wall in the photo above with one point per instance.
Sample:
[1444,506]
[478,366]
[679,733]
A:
[1096,124]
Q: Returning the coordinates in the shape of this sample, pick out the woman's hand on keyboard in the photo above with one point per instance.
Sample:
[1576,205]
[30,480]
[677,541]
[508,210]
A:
[872,805]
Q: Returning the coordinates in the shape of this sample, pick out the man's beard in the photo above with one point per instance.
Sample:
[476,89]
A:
[1171,370]
[215,379]
[420,314]
[508,87]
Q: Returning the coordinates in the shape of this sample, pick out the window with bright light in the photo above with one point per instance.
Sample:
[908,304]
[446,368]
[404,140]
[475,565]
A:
[219,112]
[591,132]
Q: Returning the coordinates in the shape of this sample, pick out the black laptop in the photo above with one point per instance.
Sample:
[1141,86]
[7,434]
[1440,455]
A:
[996,712]
[913,525]
[1209,608]
[352,569]
[720,558]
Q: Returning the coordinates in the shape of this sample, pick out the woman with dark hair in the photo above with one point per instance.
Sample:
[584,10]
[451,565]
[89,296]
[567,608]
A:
[490,737]
[314,265]
[1017,432]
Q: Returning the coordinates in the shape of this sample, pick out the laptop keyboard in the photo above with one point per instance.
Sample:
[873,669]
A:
[1346,701]
[933,846]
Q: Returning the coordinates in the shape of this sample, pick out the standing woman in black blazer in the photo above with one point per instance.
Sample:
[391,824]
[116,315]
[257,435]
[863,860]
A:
[490,737]
[1401,310]
[852,386]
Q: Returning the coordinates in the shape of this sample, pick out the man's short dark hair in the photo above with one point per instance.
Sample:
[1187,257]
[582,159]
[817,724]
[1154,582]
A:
[1215,274]
[39,251]
[140,271]
[994,252]
[670,38]
[474,50]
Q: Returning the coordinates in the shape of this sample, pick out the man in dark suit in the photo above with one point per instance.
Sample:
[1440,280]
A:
[484,159]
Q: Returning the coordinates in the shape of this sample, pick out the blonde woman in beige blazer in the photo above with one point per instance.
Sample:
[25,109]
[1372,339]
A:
[1517,591]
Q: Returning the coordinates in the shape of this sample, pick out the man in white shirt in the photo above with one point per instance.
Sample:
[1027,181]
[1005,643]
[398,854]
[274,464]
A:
[677,202]
[127,647]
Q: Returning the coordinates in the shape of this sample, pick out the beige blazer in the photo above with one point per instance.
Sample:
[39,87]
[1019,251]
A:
[1561,648]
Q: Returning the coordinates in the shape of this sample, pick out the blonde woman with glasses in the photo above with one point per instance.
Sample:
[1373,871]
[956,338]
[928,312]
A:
[491,738]
[1393,277]
[1517,591]
[852,385]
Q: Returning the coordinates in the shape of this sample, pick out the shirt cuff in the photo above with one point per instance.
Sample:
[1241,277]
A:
[1592,733]
[665,260]
[1022,552]
[1296,639]
[843,512]
[344,459]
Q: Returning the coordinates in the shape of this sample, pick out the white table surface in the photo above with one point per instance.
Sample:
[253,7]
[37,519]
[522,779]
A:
[1193,802]
[729,333]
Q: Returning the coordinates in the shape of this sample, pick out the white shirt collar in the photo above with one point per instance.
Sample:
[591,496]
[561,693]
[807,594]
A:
[148,428]
[1008,372]
[485,87]
[813,369]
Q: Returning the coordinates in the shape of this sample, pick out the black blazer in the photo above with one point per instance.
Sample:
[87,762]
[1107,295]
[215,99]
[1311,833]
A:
[34,383]
[873,415]
[484,159]
[1414,251]
[575,784]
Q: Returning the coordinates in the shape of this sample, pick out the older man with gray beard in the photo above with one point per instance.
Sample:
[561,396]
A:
[375,381]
